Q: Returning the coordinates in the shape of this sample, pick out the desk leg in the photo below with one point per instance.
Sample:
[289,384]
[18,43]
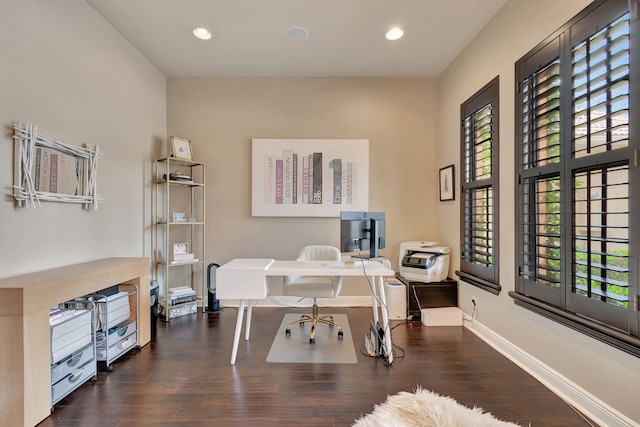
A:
[374,299]
[385,319]
[247,328]
[236,337]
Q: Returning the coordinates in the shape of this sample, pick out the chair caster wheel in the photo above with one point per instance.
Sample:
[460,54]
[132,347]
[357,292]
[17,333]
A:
[312,340]
[301,324]
[288,332]
[340,334]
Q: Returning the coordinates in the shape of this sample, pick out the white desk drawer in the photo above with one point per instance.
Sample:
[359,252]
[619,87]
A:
[72,381]
[70,364]
[117,349]
[122,331]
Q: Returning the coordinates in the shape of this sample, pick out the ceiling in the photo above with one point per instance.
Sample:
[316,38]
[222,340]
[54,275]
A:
[346,37]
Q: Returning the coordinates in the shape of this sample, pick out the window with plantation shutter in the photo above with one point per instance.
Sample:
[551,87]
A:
[577,242]
[479,204]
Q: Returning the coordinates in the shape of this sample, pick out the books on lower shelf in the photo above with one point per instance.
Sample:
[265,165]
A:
[181,295]
[178,177]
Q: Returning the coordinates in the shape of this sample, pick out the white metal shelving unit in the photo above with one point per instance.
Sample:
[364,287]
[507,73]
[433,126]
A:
[179,196]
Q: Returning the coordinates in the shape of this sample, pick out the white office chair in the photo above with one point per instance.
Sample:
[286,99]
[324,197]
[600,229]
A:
[315,287]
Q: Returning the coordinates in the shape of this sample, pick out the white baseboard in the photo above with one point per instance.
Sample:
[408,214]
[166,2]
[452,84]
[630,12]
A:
[567,390]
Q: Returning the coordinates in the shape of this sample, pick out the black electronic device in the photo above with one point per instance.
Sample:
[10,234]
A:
[213,303]
[362,231]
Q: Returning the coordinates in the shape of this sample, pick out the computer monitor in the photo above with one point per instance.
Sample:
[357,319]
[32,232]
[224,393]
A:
[362,231]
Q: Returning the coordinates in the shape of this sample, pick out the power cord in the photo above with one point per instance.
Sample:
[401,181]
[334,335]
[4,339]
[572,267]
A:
[382,351]
[397,351]
[415,296]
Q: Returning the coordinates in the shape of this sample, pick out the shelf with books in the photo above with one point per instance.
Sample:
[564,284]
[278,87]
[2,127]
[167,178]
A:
[179,220]
[180,300]
[185,183]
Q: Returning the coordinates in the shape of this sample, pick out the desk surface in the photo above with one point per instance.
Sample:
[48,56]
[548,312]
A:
[328,268]
[245,278]
[272,267]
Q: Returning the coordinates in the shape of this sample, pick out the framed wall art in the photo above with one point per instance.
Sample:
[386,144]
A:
[47,170]
[181,148]
[447,183]
[309,177]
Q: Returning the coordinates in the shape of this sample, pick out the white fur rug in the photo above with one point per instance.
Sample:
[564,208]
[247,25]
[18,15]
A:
[426,409]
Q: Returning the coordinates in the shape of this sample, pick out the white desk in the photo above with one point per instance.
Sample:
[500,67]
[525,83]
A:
[246,280]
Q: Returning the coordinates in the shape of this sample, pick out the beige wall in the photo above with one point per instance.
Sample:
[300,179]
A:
[612,375]
[222,115]
[67,71]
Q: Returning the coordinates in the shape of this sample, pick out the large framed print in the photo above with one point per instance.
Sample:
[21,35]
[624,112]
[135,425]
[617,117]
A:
[309,177]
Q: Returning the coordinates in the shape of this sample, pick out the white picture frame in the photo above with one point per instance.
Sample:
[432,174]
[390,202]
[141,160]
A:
[181,148]
[32,183]
[180,248]
[179,217]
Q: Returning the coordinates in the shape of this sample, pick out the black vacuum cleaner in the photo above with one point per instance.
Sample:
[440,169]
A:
[213,304]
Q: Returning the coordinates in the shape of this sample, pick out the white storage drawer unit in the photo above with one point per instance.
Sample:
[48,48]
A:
[116,322]
[73,351]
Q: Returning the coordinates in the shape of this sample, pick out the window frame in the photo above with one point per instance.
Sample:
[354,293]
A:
[483,277]
[563,307]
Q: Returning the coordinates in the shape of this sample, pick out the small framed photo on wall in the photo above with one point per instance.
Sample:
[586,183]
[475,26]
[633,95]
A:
[447,183]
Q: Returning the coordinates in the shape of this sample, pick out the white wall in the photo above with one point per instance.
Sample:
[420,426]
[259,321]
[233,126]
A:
[222,115]
[610,375]
[70,73]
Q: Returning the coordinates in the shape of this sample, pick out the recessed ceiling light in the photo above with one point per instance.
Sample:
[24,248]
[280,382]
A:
[297,33]
[202,33]
[394,34]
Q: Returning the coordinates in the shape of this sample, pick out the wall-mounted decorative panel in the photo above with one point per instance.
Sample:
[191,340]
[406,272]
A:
[309,177]
[49,170]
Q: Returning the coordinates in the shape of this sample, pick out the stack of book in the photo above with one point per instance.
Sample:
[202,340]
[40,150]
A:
[181,295]
[179,258]
[179,177]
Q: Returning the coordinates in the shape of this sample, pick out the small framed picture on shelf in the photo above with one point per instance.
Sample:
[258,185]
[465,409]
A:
[181,148]
[180,248]
[447,183]
[179,217]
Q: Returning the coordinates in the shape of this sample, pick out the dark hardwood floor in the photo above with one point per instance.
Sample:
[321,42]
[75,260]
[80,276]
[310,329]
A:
[184,378]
